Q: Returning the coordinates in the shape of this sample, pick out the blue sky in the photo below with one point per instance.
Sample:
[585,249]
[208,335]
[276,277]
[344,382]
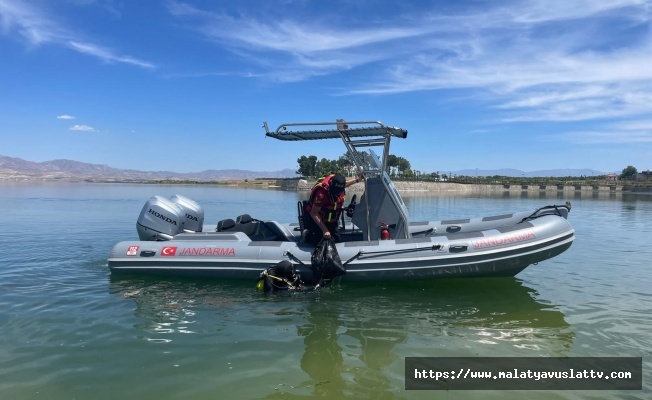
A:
[185,85]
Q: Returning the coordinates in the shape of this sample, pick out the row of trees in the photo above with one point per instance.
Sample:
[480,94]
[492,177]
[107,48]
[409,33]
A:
[311,167]
[399,168]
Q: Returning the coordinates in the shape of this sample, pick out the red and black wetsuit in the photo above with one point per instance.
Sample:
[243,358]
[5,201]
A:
[331,209]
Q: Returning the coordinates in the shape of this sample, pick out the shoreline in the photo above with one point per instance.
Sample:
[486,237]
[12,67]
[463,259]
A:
[401,186]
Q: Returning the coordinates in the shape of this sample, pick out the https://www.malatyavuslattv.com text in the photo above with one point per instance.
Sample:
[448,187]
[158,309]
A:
[523,373]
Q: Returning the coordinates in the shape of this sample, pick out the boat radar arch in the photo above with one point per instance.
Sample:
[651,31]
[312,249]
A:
[380,204]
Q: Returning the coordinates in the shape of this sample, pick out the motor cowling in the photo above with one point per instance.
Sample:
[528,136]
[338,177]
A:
[193,213]
[160,219]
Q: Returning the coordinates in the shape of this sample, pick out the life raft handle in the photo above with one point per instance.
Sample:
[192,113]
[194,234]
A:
[294,258]
[365,253]
[552,207]
[386,252]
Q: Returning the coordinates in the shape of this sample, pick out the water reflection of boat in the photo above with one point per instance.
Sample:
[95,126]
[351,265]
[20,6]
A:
[169,307]
[349,339]
[358,345]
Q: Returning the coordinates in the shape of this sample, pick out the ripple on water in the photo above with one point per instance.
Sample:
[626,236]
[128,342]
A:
[72,331]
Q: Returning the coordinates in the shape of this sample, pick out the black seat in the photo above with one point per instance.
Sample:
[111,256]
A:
[225,225]
[244,223]
[275,233]
[243,219]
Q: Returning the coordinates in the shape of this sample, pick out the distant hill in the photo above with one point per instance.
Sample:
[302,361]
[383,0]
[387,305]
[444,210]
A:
[529,174]
[19,169]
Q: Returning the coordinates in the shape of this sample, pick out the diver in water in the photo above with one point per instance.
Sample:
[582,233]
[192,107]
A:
[280,277]
[283,277]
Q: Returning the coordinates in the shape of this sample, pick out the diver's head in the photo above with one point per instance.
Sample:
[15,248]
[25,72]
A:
[286,269]
[337,184]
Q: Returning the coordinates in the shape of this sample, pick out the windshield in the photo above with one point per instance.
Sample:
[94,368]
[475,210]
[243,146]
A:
[370,161]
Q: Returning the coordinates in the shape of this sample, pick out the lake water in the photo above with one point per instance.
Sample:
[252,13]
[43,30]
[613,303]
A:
[69,330]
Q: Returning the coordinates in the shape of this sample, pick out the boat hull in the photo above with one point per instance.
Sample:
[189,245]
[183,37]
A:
[494,250]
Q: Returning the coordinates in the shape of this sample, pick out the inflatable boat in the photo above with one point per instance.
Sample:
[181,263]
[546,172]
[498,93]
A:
[378,242]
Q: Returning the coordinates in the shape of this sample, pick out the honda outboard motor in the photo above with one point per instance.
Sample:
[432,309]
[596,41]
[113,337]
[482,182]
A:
[160,219]
[194,213]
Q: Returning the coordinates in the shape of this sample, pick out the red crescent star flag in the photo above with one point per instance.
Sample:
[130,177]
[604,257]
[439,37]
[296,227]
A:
[169,250]
[132,250]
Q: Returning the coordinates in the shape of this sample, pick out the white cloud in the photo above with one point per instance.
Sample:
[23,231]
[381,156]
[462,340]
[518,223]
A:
[299,50]
[608,137]
[107,55]
[40,28]
[630,131]
[83,128]
[65,116]
[536,60]
[643,124]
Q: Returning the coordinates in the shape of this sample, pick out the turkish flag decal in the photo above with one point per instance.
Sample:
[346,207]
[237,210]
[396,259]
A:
[133,250]
[169,250]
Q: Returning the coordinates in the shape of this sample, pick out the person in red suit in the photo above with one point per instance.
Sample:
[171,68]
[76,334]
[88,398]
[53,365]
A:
[325,207]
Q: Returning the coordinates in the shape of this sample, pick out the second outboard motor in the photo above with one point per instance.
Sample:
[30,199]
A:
[160,219]
[194,213]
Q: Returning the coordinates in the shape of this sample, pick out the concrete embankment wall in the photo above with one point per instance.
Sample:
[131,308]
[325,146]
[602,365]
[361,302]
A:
[460,187]
[444,187]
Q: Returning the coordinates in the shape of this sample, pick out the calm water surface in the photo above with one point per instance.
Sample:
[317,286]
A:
[72,331]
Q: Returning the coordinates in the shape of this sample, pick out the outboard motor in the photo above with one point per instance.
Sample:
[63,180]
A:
[160,219]
[194,213]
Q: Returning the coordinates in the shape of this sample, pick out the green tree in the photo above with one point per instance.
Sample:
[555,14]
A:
[403,165]
[628,173]
[310,167]
[345,163]
[307,166]
[347,157]
[325,167]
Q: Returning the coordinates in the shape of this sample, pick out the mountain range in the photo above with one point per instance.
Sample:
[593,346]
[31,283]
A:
[12,168]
